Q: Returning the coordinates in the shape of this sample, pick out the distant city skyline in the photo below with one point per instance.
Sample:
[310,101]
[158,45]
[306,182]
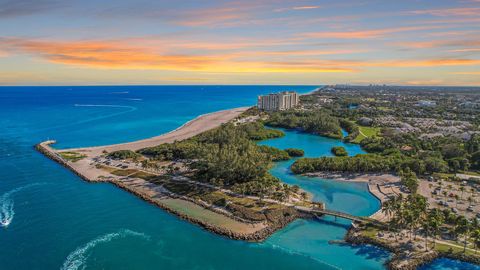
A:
[412,42]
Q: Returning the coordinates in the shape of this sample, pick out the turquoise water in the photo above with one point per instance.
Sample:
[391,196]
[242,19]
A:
[57,221]
[312,237]
[448,264]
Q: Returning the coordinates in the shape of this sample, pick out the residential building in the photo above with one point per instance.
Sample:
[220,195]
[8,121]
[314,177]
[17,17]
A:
[278,101]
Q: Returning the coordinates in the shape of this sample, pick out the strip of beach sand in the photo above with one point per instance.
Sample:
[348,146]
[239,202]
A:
[194,127]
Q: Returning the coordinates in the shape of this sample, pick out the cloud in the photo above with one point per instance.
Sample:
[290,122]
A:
[364,34]
[466,50]
[470,11]
[429,62]
[14,8]
[467,73]
[296,8]
[102,54]
[120,55]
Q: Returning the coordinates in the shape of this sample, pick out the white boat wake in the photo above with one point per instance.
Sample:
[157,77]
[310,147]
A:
[6,204]
[77,259]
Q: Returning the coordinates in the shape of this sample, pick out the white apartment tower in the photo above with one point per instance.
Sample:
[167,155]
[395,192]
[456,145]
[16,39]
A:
[278,101]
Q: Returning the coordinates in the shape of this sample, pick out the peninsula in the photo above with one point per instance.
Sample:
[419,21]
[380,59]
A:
[173,182]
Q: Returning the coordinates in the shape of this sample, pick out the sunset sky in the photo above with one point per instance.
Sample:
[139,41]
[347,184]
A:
[410,42]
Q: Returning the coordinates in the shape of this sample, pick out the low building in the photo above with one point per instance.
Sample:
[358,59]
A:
[278,101]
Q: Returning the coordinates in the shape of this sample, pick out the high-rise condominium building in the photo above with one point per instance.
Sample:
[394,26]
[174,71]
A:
[278,101]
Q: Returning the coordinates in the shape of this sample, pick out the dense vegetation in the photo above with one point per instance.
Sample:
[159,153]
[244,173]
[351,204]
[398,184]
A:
[350,127]
[123,154]
[386,154]
[228,156]
[317,122]
[339,151]
[294,152]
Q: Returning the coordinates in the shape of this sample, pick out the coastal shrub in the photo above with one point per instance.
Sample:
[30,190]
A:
[359,163]
[274,153]
[295,152]
[227,156]
[245,213]
[72,156]
[279,214]
[123,154]
[171,151]
[352,129]
[256,131]
[339,151]
[316,122]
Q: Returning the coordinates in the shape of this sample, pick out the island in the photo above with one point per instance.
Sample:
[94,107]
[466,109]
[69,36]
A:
[422,161]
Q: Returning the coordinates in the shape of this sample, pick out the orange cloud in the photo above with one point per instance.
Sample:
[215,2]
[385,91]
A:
[305,7]
[296,8]
[428,63]
[117,55]
[104,54]
[365,34]
[466,50]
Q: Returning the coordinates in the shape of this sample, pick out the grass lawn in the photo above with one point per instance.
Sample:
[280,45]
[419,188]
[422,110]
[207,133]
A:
[366,132]
[72,156]
[124,172]
[445,248]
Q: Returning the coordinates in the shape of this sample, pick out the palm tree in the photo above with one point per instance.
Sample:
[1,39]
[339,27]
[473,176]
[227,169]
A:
[476,239]
[436,219]
[462,227]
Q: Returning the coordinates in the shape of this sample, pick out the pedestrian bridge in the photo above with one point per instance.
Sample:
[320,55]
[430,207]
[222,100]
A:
[337,214]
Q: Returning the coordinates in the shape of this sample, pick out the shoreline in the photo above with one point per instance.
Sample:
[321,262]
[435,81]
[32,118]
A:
[402,261]
[206,217]
[207,120]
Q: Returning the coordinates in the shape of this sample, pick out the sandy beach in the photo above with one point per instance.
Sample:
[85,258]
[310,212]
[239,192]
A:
[194,127]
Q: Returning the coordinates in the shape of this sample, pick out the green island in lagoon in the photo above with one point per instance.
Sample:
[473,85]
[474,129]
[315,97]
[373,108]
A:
[228,172]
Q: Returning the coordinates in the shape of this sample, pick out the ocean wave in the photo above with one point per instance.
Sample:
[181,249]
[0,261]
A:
[6,204]
[77,259]
[102,117]
[135,99]
[102,105]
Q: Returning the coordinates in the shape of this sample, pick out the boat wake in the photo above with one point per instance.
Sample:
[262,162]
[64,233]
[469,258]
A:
[6,204]
[77,259]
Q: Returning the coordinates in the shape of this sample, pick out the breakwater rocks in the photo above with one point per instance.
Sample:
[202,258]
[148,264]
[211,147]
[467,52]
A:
[275,221]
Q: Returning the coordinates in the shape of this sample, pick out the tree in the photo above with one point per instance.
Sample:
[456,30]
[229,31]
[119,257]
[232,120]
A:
[409,179]
[462,227]
[476,239]
[435,220]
